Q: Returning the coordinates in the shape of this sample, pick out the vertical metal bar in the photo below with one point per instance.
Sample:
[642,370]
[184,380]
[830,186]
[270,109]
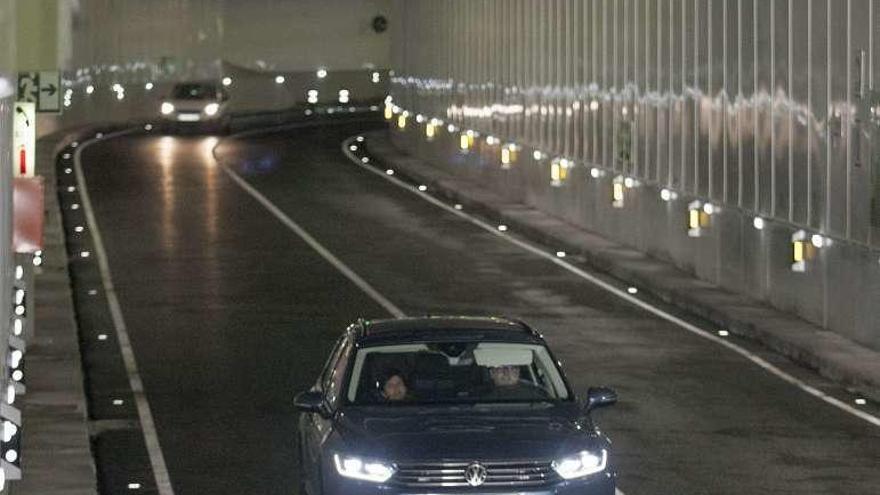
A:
[710,95]
[683,94]
[615,94]
[649,100]
[670,99]
[757,175]
[724,110]
[773,192]
[658,125]
[810,106]
[830,116]
[790,113]
[696,87]
[849,127]
[740,99]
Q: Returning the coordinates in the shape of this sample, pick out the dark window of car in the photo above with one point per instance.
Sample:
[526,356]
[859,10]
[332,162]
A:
[455,372]
[194,92]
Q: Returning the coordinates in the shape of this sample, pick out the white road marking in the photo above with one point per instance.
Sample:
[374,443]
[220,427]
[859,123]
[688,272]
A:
[148,426]
[621,293]
[314,244]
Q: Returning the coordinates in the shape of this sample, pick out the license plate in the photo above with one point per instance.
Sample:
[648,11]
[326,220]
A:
[188,117]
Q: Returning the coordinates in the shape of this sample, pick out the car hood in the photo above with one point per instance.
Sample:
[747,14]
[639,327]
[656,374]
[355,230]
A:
[540,432]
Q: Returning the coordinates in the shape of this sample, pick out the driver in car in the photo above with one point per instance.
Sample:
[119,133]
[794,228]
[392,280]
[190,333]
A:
[508,386]
[394,387]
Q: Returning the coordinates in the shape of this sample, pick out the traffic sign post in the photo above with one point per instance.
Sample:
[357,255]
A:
[24,137]
[42,88]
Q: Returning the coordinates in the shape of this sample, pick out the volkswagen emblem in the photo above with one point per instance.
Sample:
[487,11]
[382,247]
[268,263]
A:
[475,474]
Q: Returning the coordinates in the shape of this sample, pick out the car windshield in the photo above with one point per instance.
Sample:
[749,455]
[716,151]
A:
[454,372]
[194,92]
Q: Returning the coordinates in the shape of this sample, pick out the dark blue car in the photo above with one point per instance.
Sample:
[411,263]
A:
[449,405]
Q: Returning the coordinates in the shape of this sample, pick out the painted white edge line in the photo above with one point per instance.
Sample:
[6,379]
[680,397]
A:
[148,426]
[621,293]
[314,244]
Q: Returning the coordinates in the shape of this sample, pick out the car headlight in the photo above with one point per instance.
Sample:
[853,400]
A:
[212,108]
[362,469]
[167,108]
[581,464]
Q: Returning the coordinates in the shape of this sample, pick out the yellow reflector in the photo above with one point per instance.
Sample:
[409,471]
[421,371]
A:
[401,121]
[798,251]
[694,219]
[618,191]
[464,142]
[389,112]
[505,156]
[429,130]
[555,172]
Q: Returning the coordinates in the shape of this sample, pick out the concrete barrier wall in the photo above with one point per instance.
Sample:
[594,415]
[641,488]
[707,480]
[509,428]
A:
[764,110]
[7,99]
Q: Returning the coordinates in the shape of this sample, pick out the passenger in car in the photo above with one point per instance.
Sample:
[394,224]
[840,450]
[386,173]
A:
[508,386]
[394,387]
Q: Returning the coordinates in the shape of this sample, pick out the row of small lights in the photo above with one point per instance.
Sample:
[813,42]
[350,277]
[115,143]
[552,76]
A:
[84,254]
[12,418]
[700,213]
[312,95]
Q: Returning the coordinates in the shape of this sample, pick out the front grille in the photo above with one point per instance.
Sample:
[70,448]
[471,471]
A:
[452,474]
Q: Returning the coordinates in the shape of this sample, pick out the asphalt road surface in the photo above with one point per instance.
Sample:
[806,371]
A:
[230,313]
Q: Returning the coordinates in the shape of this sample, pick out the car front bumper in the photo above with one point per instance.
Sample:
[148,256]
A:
[600,484]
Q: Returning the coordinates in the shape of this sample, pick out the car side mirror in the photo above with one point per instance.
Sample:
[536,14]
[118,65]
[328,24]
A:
[309,402]
[599,397]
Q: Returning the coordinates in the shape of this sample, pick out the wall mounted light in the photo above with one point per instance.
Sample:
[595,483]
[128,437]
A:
[509,154]
[466,140]
[617,192]
[431,128]
[559,171]
[700,217]
[668,195]
[801,251]
[805,247]
[759,223]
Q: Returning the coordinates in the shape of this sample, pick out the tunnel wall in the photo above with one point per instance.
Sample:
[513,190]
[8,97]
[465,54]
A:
[190,35]
[7,99]
[760,108]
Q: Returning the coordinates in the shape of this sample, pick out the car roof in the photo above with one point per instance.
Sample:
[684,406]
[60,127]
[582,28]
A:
[444,328]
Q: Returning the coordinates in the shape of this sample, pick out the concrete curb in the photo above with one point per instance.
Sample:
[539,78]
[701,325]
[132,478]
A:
[56,446]
[853,365]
